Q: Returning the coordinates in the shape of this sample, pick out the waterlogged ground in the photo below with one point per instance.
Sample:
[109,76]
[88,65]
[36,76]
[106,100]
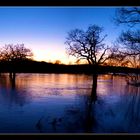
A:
[61,103]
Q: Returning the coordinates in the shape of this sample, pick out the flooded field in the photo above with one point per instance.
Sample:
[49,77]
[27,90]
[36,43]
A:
[61,103]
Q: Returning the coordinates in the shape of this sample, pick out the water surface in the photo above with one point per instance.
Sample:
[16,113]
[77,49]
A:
[60,103]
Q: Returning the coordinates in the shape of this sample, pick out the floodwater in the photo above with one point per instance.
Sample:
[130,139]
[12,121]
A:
[61,103]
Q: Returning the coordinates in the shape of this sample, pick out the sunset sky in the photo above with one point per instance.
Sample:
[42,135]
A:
[44,29]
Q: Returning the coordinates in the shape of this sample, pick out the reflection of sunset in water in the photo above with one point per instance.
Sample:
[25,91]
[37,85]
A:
[52,84]
[43,84]
[109,83]
[46,98]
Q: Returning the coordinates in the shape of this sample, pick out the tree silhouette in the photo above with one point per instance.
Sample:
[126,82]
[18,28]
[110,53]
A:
[116,57]
[87,45]
[130,39]
[129,16]
[12,53]
[131,47]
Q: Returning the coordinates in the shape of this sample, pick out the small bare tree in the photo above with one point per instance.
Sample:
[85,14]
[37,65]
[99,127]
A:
[12,53]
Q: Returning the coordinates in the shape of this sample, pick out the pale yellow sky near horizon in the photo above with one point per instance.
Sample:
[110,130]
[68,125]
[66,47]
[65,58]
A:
[48,56]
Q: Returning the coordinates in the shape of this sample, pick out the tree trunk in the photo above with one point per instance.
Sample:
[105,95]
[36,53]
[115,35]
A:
[12,79]
[94,88]
[90,120]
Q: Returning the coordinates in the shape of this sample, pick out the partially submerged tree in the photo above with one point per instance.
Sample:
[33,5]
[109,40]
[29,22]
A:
[88,45]
[14,53]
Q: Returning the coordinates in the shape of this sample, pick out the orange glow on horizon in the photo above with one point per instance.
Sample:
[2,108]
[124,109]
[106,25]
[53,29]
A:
[48,56]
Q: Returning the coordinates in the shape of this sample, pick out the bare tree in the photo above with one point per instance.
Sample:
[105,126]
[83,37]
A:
[12,53]
[131,46]
[126,52]
[131,41]
[116,57]
[129,16]
[88,45]
[131,38]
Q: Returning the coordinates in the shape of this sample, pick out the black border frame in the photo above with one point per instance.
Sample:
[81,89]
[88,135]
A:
[69,136]
[69,2]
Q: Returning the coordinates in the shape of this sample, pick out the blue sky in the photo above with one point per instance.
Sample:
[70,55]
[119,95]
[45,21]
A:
[44,29]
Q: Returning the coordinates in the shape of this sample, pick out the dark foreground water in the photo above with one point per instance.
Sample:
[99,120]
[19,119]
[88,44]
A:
[54,103]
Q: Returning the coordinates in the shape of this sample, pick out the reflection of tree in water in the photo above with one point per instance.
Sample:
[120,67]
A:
[81,118]
[76,118]
[90,120]
[12,78]
[117,112]
[132,108]
[121,114]
[11,91]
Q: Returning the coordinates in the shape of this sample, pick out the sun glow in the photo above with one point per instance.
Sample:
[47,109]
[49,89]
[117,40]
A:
[52,56]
